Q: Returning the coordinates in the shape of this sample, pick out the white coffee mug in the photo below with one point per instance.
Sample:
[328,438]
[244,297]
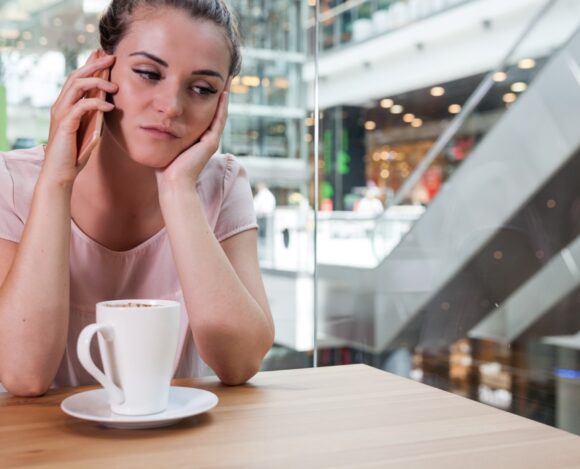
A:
[138,342]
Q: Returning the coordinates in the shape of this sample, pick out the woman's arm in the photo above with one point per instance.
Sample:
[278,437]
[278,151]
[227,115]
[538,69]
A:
[222,285]
[34,288]
[34,294]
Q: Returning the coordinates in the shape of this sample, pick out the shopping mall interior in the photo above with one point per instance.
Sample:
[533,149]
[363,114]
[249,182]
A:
[414,164]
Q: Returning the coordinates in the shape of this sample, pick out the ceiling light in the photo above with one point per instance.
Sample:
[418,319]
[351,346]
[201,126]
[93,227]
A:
[9,33]
[454,109]
[437,91]
[417,123]
[387,103]
[251,80]
[526,64]
[408,117]
[385,173]
[396,109]
[370,125]
[238,89]
[281,83]
[90,28]
[518,87]
[43,41]
[509,98]
[498,77]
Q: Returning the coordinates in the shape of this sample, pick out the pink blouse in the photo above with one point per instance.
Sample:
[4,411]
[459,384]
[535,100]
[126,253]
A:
[146,271]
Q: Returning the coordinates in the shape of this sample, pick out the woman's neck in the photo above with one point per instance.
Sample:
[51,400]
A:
[115,200]
[113,180]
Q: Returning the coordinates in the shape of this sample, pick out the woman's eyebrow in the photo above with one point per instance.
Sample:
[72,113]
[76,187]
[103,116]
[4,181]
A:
[150,56]
[211,73]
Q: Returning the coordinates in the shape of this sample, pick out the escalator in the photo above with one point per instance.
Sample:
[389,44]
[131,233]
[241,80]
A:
[500,233]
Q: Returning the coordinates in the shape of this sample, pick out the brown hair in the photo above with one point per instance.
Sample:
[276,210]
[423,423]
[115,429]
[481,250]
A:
[117,18]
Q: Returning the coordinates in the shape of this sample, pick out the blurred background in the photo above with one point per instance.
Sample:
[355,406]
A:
[445,248]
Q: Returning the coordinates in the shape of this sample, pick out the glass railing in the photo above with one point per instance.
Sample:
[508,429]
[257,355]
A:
[345,22]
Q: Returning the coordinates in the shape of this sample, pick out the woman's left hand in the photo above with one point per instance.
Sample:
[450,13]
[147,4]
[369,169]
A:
[187,166]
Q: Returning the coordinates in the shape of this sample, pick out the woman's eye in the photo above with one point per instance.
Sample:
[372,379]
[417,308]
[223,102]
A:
[148,74]
[203,90]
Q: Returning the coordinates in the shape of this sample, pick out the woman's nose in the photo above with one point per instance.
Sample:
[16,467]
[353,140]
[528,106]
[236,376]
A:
[169,101]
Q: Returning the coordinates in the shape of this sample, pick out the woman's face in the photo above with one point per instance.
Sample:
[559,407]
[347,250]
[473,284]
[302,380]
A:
[171,70]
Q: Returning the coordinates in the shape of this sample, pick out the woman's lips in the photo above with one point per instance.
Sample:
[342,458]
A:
[159,134]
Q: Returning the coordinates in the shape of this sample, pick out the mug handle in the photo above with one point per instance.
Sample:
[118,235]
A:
[116,395]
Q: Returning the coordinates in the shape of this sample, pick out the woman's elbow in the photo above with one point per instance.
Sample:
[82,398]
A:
[20,386]
[239,375]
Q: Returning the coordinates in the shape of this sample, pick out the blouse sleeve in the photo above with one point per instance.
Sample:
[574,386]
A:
[11,226]
[237,209]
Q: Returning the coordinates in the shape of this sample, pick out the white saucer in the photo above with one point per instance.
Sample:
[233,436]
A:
[183,402]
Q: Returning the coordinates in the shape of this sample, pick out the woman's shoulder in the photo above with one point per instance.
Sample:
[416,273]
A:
[19,171]
[33,154]
[23,163]
[220,170]
[221,163]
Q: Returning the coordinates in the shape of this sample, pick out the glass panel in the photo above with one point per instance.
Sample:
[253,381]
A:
[267,130]
[440,257]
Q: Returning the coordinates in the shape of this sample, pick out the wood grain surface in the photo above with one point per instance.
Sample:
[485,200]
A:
[343,416]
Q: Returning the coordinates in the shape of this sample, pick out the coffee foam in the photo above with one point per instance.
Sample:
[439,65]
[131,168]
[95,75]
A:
[129,305]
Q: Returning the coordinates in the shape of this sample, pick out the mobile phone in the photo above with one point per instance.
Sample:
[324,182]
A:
[91,126]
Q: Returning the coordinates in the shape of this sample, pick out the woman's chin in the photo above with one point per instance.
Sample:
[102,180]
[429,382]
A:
[152,162]
[155,160]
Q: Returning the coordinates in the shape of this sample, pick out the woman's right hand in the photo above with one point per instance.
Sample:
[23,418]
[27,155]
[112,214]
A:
[61,160]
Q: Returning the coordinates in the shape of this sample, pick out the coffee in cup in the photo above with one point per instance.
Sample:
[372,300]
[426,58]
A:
[138,342]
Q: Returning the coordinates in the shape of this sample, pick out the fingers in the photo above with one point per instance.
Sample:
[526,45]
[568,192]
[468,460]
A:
[84,82]
[71,122]
[90,69]
[83,86]
[92,104]
[92,66]
[86,71]
[218,124]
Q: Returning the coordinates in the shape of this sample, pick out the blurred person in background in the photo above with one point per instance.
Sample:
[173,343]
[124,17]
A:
[264,206]
[370,203]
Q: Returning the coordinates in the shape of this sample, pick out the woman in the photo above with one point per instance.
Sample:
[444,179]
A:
[151,214]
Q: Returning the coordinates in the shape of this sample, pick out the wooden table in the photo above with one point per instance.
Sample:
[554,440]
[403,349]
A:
[344,416]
